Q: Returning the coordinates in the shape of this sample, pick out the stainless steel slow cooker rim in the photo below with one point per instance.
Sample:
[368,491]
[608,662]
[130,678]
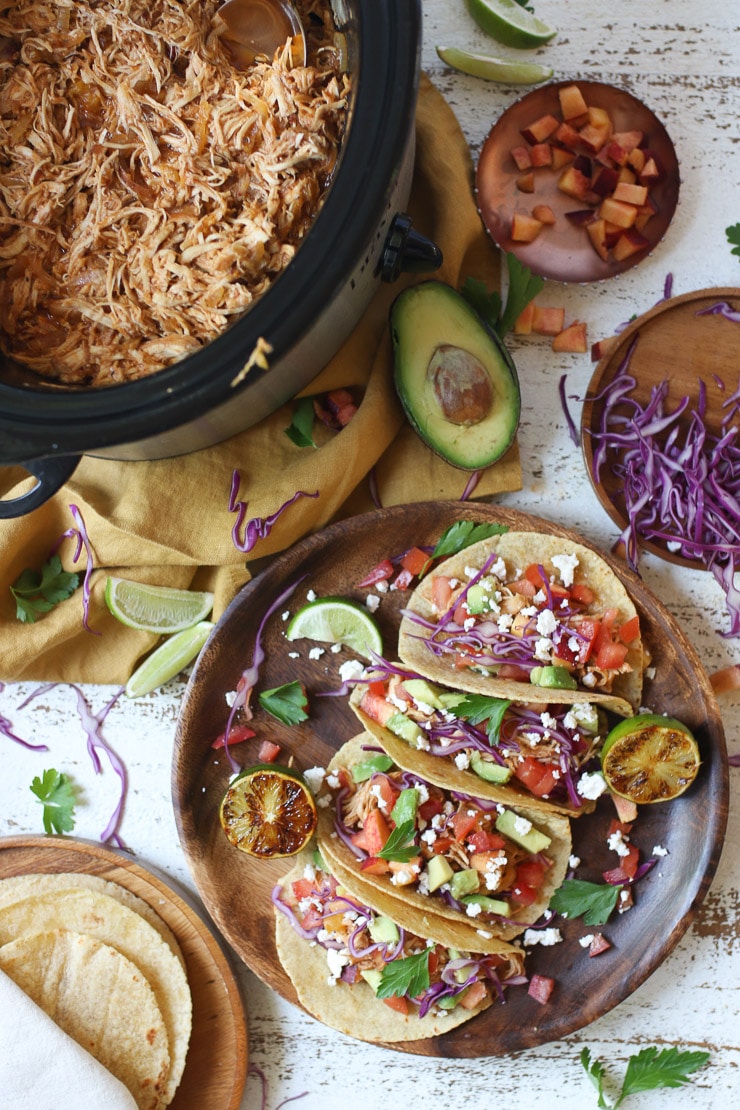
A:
[388,37]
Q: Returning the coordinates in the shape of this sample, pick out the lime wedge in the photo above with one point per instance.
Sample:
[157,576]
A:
[650,758]
[156,608]
[494,69]
[268,811]
[168,659]
[336,620]
[508,22]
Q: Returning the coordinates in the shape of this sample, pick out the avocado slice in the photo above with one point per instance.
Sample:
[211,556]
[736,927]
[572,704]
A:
[488,770]
[438,872]
[404,728]
[522,831]
[456,380]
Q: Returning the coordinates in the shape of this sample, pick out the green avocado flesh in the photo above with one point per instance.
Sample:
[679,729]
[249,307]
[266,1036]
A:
[456,380]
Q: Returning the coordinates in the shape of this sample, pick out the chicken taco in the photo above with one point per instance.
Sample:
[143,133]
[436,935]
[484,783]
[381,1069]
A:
[530,617]
[488,870]
[360,971]
[517,753]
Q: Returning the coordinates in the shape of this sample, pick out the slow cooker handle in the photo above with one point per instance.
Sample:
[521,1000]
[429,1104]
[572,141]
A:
[407,250]
[51,474]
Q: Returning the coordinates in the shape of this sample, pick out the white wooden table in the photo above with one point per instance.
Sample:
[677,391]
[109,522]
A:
[682,57]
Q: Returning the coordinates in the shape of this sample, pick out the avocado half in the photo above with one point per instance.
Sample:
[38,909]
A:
[456,380]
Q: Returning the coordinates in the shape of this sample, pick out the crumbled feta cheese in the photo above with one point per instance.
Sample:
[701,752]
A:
[674,545]
[546,622]
[521,825]
[377,794]
[422,793]
[650,672]
[294,655]
[493,872]
[582,714]
[470,572]
[286,615]
[469,623]
[314,776]
[532,738]
[617,842]
[484,933]
[545,937]
[381,587]
[372,601]
[499,569]
[589,679]
[543,650]
[422,885]
[336,959]
[230,697]
[574,862]
[505,622]
[472,909]
[659,850]
[429,836]
[336,648]
[529,611]
[323,802]
[462,761]
[566,564]
[316,652]
[310,595]
[332,780]
[422,744]
[351,668]
[591,785]
[585,942]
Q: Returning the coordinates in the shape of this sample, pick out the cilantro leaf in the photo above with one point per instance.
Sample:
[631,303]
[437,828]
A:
[462,534]
[650,1070]
[476,708]
[523,288]
[595,1072]
[487,305]
[36,592]
[595,901]
[300,431]
[288,703]
[57,792]
[400,845]
[407,976]
[372,765]
[733,237]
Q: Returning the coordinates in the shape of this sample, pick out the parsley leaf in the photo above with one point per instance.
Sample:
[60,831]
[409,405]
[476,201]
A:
[36,592]
[523,288]
[57,792]
[300,431]
[650,1069]
[595,901]
[288,703]
[407,976]
[462,534]
[487,305]
[595,1072]
[733,237]
[476,708]
[400,845]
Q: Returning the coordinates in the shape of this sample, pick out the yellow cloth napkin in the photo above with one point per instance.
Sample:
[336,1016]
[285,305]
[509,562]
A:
[167,522]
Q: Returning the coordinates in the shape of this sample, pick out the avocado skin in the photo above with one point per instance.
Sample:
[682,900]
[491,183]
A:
[423,318]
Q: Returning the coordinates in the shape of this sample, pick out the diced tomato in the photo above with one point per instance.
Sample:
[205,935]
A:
[531,872]
[359,839]
[377,689]
[431,807]
[403,580]
[461,613]
[599,944]
[523,895]
[377,830]
[474,995]
[630,862]
[513,672]
[387,792]
[630,630]
[482,861]
[376,706]
[539,778]
[533,575]
[619,826]
[462,823]
[541,987]
[374,865]
[237,734]
[312,918]
[405,873]
[302,888]
[615,877]
[381,573]
[441,845]
[397,1002]
[588,632]
[441,592]
[523,587]
[433,961]
[415,560]
[607,624]
[485,841]
[268,752]
[581,593]
[610,657]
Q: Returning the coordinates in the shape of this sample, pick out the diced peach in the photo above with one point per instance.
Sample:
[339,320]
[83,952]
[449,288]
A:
[631,193]
[593,137]
[645,212]
[605,181]
[599,117]
[573,183]
[572,103]
[626,175]
[547,321]
[520,154]
[523,322]
[544,213]
[561,157]
[541,154]
[602,347]
[650,172]
[581,216]
[525,182]
[628,140]
[572,339]
[617,212]
[628,244]
[524,228]
[567,136]
[540,129]
[597,235]
[636,159]
[616,152]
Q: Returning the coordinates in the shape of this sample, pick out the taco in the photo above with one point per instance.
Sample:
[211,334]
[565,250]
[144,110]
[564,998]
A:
[530,617]
[541,756]
[361,972]
[486,869]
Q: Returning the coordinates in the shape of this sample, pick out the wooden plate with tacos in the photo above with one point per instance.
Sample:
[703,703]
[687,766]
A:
[243,893]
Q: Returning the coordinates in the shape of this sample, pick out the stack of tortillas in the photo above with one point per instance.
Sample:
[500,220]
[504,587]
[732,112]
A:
[108,972]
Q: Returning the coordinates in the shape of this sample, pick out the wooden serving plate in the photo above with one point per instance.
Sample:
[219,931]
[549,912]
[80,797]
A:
[236,888]
[563,252]
[216,1066]
[673,344]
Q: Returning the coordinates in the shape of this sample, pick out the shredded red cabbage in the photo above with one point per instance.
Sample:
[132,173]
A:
[472,482]
[6,729]
[258,528]
[252,1069]
[572,429]
[80,534]
[372,480]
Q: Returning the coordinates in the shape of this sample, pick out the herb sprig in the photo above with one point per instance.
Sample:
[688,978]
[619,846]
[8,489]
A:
[287,703]
[464,533]
[36,592]
[400,846]
[648,1070]
[57,792]
[595,901]
[733,238]
[407,976]
[523,288]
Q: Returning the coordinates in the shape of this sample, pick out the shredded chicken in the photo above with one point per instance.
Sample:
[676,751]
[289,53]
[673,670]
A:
[149,190]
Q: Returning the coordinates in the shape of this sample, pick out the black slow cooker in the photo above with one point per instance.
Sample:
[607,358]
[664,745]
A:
[360,237]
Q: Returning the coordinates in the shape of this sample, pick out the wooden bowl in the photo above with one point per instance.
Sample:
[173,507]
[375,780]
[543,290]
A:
[674,345]
[236,888]
[563,252]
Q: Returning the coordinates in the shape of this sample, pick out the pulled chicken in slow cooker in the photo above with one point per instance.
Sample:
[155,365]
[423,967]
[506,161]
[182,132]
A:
[149,190]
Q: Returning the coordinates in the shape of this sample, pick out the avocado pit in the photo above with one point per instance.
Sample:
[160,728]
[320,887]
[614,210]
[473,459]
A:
[461,385]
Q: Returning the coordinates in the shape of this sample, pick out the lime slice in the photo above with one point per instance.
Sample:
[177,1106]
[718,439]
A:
[508,22]
[336,620]
[156,608]
[268,811]
[649,758]
[168,659]
[494,69]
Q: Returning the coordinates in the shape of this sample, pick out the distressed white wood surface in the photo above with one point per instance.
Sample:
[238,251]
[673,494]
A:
[682,57]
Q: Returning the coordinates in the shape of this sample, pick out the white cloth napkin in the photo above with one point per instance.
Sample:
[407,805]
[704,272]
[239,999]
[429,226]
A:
[42,1068]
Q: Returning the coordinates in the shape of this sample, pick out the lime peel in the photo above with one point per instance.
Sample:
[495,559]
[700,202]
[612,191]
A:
[160,609]
[168,659]
[505,70]
[337,620]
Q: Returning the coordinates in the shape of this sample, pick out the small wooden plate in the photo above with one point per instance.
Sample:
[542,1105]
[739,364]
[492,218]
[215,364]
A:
[563,252]
[676,345]
[236,888]
[216,1067]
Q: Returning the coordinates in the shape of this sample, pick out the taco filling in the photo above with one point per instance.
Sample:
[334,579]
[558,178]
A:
[366,954]
[510,751]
